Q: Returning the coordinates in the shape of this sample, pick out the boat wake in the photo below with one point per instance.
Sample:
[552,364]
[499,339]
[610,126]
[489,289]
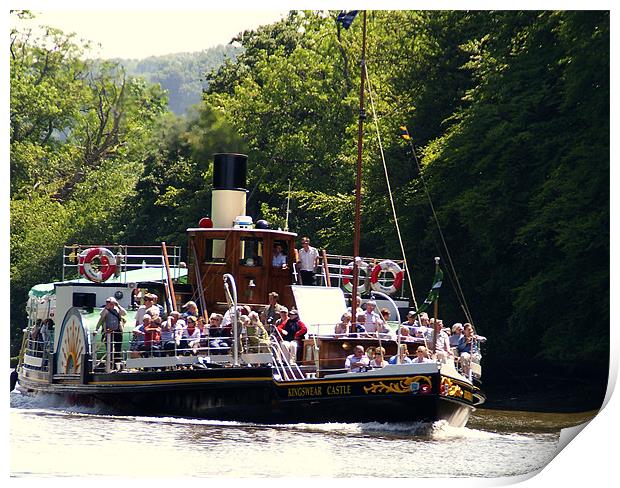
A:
[433,431]
[50,404]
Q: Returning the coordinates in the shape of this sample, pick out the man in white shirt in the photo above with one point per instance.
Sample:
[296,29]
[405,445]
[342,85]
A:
[142,309]
[358,361]
[308,260]
[373,322]
[442,341]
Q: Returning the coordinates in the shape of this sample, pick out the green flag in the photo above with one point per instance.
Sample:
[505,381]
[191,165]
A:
[433,294]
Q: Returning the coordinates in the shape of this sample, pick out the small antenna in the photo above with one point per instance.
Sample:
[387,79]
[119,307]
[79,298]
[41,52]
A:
[288,203]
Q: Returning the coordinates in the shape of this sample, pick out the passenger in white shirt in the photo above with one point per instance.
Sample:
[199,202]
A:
[358,361]
[442,341]
[308,260]
[373,323]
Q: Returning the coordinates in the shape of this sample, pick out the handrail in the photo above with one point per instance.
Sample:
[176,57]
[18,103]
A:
[281,359]
[233,298]
[171,298]
[336,264]
[201,293]
[128,257]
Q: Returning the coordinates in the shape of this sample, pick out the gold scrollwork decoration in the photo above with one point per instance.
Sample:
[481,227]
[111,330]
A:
[402,386]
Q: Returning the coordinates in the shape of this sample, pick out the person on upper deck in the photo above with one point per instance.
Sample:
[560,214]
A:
[190,338]
[142,309]
[468,348]
[137,338]
[358,308]
[457,333]
[204,331]
[385,315]
[35,336]
[136,298]
[404,356]
[278,259]
[442,341]
[373,323]
[111,321]
[230,314]
[308,261]
[179,330]
[378,361]
[152,336]
[357,362]
[282,318]
[190,309]
[422,355]
[218,336]
[424,328]
[411,321]
[160,308]
[256,335]
[271,313]
[405,334]
[168,333]
[360,325]
[292,332]
[47,326]
[342,327]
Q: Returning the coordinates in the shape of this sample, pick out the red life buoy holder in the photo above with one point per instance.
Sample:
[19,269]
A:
[106,268]
[348,275]
[391,267]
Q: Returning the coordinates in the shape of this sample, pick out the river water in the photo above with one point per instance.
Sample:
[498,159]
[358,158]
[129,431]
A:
[51,439]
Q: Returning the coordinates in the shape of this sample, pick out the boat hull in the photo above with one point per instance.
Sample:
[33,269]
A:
[252,395]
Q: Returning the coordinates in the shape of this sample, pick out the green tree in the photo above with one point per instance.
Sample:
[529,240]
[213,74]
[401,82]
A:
[78,135]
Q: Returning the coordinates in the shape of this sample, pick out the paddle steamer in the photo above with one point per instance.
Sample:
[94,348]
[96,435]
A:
[229,268]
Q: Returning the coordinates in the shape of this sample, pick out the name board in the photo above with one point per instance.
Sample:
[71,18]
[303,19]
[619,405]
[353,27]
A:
[303,391]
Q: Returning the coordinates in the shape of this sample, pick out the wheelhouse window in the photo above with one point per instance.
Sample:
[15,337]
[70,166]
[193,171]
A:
[251,251]
[215,251]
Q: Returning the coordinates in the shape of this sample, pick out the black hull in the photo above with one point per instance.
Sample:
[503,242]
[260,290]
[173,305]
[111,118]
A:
[251,395]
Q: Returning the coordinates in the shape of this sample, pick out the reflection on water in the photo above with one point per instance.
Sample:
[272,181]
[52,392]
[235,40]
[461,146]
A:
[51,439]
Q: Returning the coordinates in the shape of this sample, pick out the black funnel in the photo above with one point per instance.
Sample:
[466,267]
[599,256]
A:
[229,171]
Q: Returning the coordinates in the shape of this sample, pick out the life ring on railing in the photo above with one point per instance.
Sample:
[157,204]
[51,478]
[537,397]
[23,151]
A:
[106,268]
[348,275]
[391,267]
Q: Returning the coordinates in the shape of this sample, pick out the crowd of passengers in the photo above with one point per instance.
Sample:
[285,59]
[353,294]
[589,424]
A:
[187,333]
[458,342]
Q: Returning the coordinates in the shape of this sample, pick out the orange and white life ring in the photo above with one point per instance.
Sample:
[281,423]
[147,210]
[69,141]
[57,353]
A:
[106,268]
[391,267]
[348,275]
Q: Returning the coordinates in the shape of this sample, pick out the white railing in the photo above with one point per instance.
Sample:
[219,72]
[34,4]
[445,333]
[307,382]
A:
[336,269]
[285,368]
[128,258]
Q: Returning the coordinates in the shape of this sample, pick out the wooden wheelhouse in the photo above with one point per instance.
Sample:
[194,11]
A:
[247,255]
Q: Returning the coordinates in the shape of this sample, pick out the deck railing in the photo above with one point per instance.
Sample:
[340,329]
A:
[35,352]
[128,258]
[336,269]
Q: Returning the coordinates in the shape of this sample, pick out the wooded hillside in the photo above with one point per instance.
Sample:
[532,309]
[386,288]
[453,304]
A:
[181,75]
[508,112]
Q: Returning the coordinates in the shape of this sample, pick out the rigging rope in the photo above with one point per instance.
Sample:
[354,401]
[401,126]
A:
[387,180]
[452,270]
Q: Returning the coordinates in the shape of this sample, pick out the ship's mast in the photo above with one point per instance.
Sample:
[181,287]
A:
[358,180]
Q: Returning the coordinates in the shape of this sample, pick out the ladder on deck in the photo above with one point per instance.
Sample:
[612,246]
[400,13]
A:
[285,369]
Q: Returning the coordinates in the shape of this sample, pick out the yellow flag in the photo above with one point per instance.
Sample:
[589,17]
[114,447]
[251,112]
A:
[404,133]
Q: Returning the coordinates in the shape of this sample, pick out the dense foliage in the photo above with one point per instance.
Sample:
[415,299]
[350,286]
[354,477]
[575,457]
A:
[508,111]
